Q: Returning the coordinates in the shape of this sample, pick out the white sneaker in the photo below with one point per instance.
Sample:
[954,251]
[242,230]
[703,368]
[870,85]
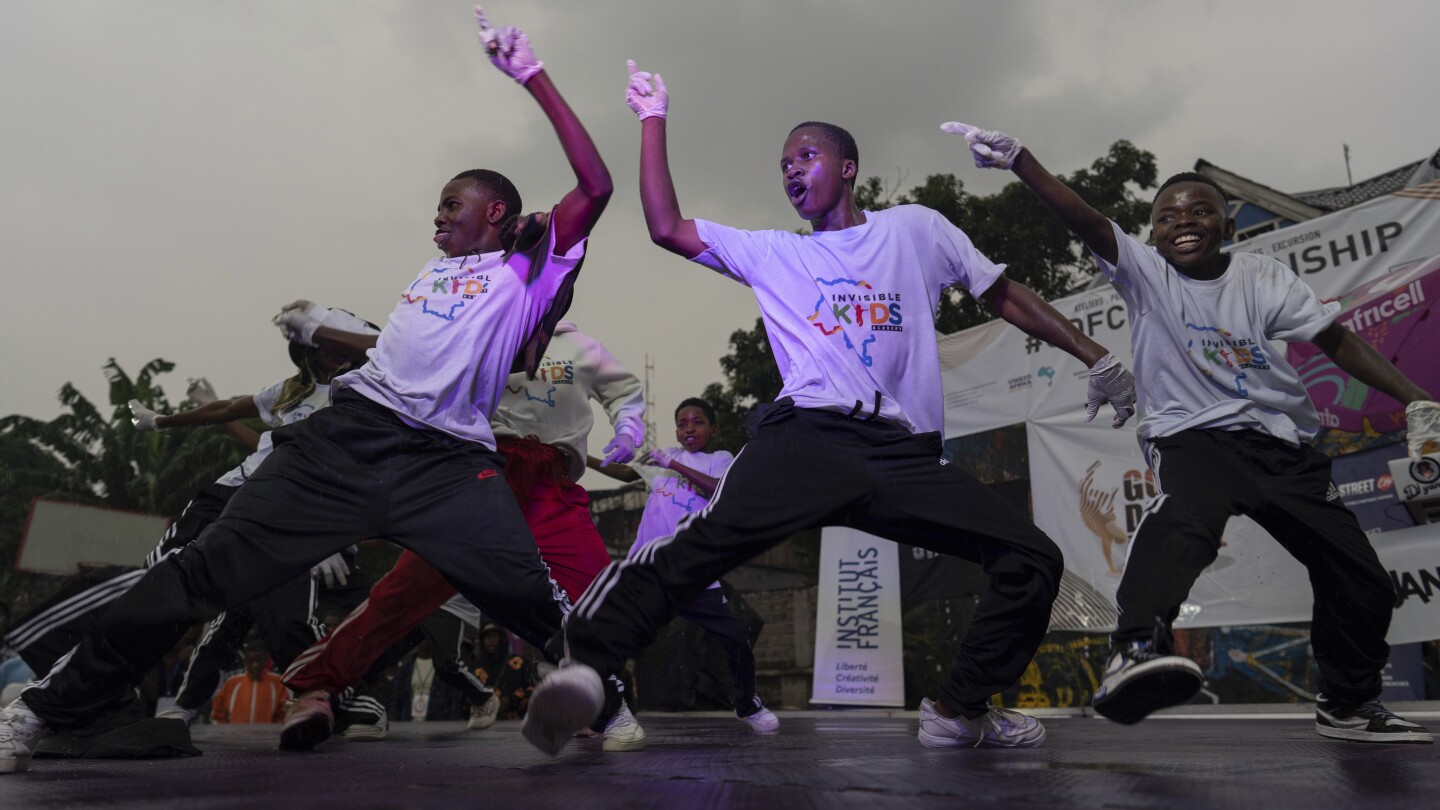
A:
[483,716]
[20,730]
[367,732]
[623,732]
[997,728]
[568,700]
[763,721]
[177,712]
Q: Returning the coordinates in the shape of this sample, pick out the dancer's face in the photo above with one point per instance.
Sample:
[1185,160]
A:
[693,430]
[815,177]
[464,217]
[1188,224]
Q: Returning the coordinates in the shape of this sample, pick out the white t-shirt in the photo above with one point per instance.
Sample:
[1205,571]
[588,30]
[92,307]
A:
[265,400]
[672,496]
[555,406]
[1203,352]
[442,360]
[850,313]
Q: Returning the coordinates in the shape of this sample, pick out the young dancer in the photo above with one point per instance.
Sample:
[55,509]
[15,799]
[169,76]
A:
[853,439]
[286,615]
[404,452]
[681,480]
[542,426]
[1231,422]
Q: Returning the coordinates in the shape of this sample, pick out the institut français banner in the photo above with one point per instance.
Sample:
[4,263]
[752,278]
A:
[859,647]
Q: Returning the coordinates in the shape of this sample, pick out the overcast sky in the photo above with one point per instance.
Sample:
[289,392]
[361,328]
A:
[173,172]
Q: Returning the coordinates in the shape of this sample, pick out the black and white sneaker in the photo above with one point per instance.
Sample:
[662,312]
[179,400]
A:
[1139,680]
[1368,722]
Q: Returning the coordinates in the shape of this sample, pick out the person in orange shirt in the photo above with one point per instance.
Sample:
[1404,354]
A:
[254,696]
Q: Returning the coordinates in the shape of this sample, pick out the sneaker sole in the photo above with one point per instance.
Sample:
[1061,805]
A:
[622,746]
[306,734]
[481,725]
[368,736]
[18,764]
[1148,692]
[557,710]
[932,741]
[1361,735]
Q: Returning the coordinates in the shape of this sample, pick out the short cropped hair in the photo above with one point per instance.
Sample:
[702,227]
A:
[1192,177]
[839,139]
[696,402]
[496,186]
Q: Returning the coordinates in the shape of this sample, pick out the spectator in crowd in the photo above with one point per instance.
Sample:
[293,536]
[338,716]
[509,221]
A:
[254,696]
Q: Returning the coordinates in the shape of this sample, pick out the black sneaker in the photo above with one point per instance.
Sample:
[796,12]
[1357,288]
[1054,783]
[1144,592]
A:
[1139,680]
[1368,722]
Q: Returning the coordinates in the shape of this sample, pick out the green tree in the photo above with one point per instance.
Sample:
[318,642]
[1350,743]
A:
[1010,226]
[89,456]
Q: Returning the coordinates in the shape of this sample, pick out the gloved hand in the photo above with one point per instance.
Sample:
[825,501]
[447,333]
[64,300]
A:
[142,417]
[662,457]
[200,391]
[646,100]
[509,49]
[620,450]
[992,150]
[333,570]
[298,321]
[1110,382]
[1422,428]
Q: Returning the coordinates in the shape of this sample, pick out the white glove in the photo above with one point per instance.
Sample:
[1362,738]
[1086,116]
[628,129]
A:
[509,49]
[661,457]
[646,100]
[333,570]
[200,391]
[298,321]
[1422,428]
[1110,382]
[992,150]
[142,417]
[620,450]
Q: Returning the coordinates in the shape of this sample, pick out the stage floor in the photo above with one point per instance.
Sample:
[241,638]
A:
[819,759]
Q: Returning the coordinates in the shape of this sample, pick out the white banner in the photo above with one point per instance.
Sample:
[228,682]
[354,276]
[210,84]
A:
[1339,251]
[994,375]
[1412,556]
[859,655]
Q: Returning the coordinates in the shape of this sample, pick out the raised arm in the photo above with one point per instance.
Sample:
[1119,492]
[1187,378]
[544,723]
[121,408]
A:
[1360,360]
[650,99]
[215,413]
[1110,382]
[509,50]
[623,397]
[996,150]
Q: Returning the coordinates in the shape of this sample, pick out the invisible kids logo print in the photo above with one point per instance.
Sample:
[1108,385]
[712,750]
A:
[1098,510]
[446,294]
[1233,356]
[856,304]
[677,490]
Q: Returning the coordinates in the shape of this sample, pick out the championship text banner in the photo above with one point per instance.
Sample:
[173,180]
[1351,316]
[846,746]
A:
[859,647]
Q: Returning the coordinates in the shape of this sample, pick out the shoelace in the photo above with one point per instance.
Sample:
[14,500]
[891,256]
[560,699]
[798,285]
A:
[1010,716]
[1373,709]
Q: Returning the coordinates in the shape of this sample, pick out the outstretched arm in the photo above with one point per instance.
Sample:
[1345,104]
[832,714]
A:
[579,210]
[1109,380]
[1360,360]
[620,472]
[996,150]
[215,413]
[668,229]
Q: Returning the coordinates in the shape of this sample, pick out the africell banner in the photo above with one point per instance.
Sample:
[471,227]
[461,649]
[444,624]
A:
[1393,314]
[859,656]
[1339,251]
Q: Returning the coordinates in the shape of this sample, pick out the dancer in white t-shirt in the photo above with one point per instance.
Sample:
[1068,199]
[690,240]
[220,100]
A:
[854,438]
[1226,425]
[681,481]
[404,452]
